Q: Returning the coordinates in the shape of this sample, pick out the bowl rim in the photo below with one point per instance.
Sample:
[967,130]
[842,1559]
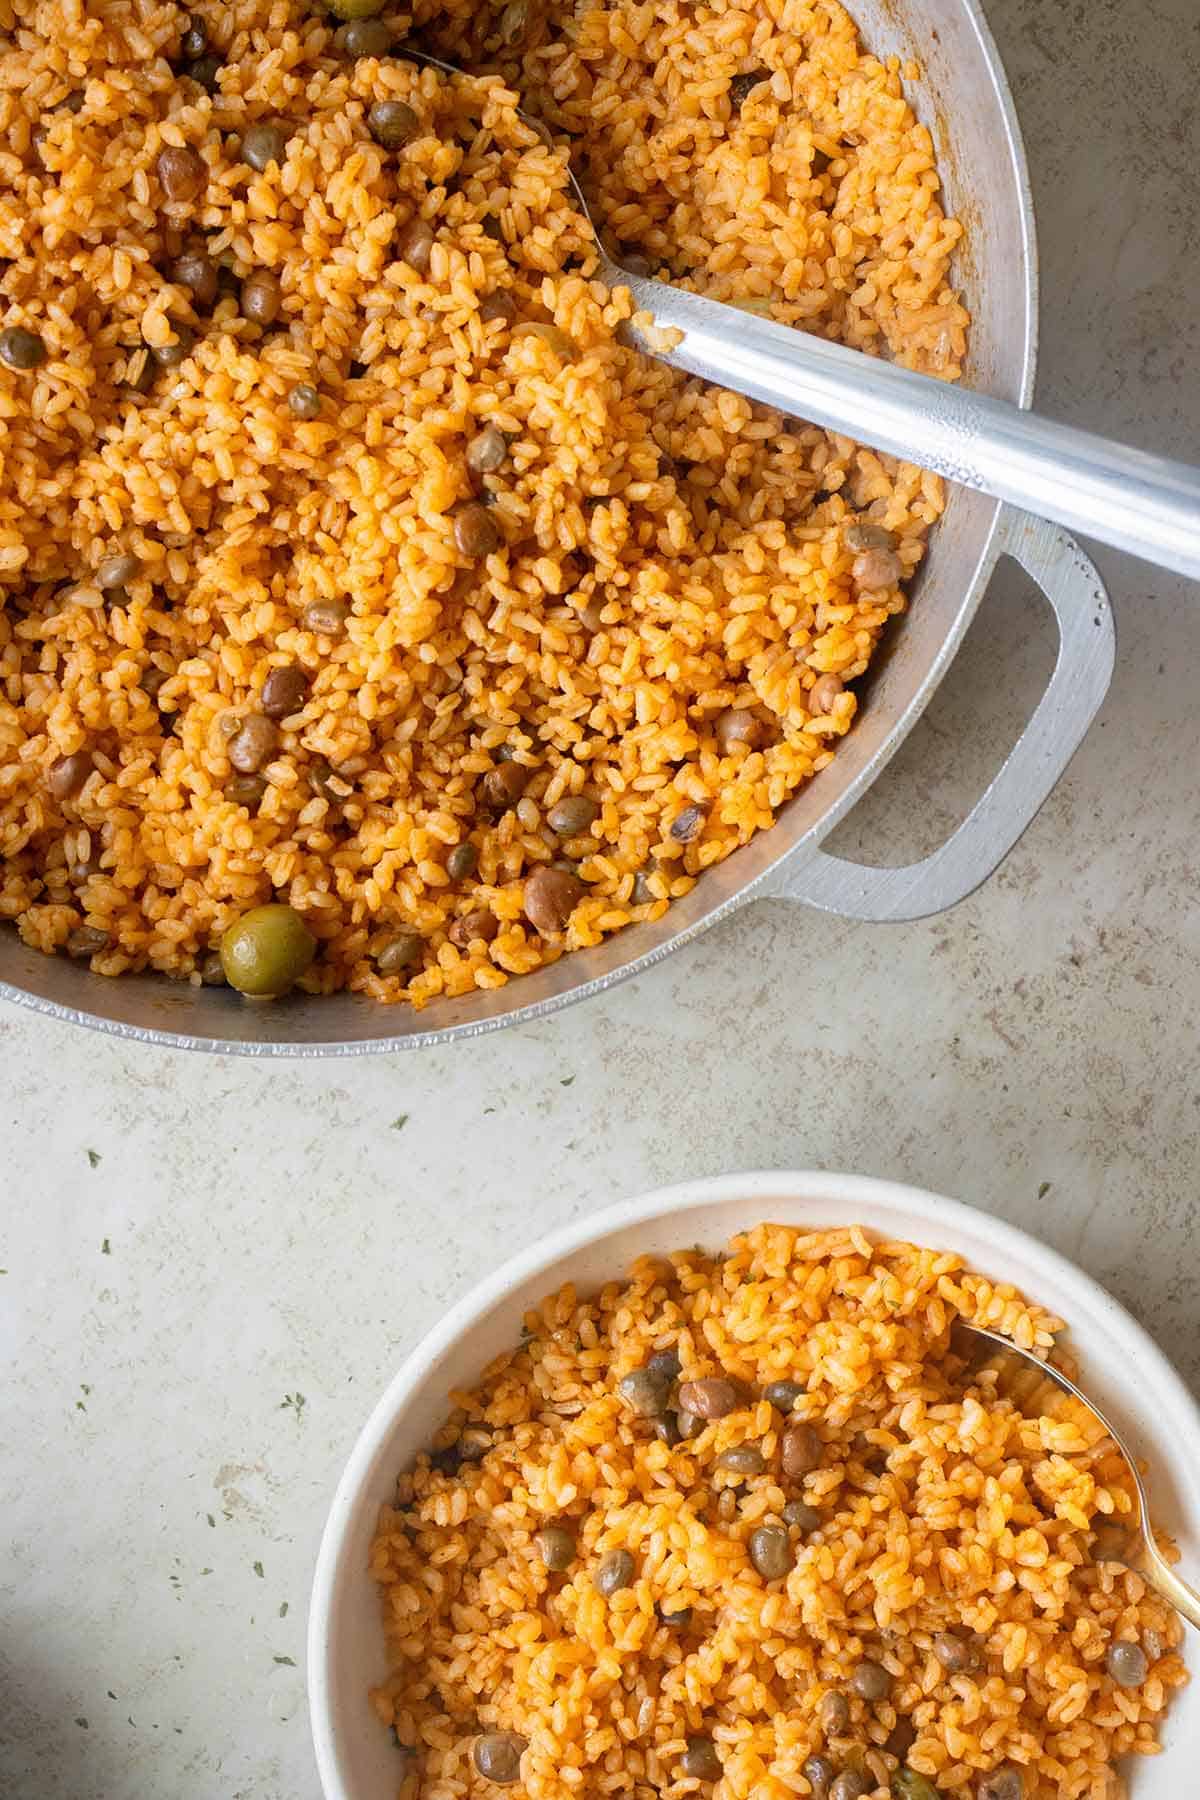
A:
[652,1205]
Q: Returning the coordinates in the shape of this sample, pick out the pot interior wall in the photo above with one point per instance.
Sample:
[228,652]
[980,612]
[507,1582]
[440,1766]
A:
[961,98]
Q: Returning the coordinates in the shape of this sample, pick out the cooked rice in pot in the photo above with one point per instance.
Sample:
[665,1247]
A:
[949,1528]
[668,555]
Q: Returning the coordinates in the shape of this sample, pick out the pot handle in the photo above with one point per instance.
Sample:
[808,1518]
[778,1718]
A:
[1082,673]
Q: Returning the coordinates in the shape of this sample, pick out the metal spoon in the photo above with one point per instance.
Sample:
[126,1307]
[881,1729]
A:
[1026,1380]
[1147,505]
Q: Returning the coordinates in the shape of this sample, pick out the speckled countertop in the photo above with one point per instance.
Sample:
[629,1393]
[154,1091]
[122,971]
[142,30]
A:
[212,1267]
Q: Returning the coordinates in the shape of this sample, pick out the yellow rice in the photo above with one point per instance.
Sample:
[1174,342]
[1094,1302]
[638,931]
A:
[943,1508]
[670,551]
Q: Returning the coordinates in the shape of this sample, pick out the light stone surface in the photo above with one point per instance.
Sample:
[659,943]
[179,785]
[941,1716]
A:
[250,1233]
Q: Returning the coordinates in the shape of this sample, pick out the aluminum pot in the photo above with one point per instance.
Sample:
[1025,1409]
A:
[965,101]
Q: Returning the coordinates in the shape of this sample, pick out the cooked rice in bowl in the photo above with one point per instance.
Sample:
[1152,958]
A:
[257,384]
[940,1570]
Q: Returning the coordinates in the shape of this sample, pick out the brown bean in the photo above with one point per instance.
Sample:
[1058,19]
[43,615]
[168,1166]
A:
[800,1514]
[712,1397]
[677,1616]
[800,1450]
[246,790]
[643,894]
[557,1548]
[140,370]
[645,1392]
[261,297]
[572,815]
[871,1681]
[498,305]
[782,1395]
[284,690]
[197,272]
[399,953]
[116,571]
[818,1772]
[205,70]
[701,1760]
[737,725]
[822,694]
[615,1571]
[688,825]
[834,1713]
[503,786]
[393,123]
[415,245]
[480,924]
[182,172]
[476,533]
[365,37]
[177,350]
[487,451]
[324,780]
[497,1757]
[254,744]
[551,896]
[264,144]
[85,942]
[68,774]
[851,1784]
[742,1459]
[328,617]
[22,350]
[863,535]
[742,86]
[771,1552]
[876,570]
[474,1444]
[462,862]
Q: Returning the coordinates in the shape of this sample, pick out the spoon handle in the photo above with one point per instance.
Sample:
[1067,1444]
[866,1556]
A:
[1157,1573]
[1144,504]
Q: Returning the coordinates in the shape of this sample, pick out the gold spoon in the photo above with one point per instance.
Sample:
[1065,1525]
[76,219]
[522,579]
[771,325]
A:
[1031,1385]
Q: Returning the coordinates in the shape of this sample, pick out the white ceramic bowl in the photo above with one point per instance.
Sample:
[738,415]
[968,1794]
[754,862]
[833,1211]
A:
[1120,1364]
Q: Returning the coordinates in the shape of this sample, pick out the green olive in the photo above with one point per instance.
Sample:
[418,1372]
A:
[266,951]
[908,1785]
